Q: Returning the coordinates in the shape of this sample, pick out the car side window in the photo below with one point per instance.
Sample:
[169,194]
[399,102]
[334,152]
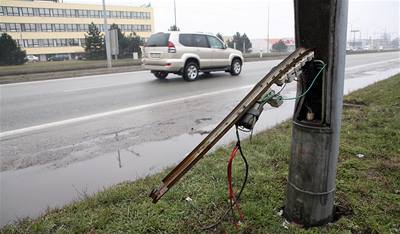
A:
[215,43]
[186,40]
[200,40]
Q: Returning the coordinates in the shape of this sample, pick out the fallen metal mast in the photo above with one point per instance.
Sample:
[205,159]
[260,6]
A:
[283,72]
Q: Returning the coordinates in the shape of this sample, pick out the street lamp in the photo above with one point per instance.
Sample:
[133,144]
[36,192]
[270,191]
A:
[175,13]
[268,31]
[108,49]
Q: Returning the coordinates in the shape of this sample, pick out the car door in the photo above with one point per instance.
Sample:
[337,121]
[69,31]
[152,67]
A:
[220,56]
[203,50]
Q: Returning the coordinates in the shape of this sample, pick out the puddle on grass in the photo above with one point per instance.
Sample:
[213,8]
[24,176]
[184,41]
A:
[30,191]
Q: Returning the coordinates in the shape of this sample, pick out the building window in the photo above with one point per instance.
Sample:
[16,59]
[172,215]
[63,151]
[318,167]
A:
[35,11]
[69,28]
[58,12]
[27,11]
[91,13]
[148,28]
[30,27]
[20,43]
[12,11]
[45,43]
[30,43]
[133,15]
[14,27]
[82,13]
[35,43]
[72,28]
[83,27]
[1,10]
[46,27]
[59,27]
[3,27]
[44,12]
[60,42]
[69,13]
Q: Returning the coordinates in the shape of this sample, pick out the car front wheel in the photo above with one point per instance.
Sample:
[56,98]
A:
[160,74]
[191,71]
[236,67]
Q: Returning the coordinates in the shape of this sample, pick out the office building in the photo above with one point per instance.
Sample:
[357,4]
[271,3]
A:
[45,28]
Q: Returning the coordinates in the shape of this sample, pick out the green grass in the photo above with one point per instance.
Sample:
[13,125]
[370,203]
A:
[368,186]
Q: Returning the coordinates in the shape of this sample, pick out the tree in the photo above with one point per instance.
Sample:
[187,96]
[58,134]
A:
[94,43]
[280,46]
[174,28]
[396,43]
[247,43]
[10,52]
[128,44]
[241,41]
[219,35]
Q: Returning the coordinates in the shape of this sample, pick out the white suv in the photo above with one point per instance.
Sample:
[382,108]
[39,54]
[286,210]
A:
[187,54]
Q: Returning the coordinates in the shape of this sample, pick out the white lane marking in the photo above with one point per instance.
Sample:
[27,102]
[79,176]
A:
[371,64]
[73,78]
[76,90]
[134,108]
[114,112]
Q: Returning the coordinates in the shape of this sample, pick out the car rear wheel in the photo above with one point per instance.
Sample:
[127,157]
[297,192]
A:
[191,71]
[236,67]
[160,74]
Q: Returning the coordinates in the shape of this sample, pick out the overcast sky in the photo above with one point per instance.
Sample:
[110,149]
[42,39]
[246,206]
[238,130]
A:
[371,17]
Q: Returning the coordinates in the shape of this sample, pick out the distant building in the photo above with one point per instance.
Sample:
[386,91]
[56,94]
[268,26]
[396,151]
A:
[45,28]
[262,45]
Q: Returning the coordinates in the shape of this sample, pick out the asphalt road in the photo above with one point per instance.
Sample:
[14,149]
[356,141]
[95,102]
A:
[59,137]
[40,121]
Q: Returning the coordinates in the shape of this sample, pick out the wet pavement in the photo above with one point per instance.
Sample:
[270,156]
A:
[53,166]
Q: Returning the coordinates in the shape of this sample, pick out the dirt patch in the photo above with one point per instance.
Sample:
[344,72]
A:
[353,103]
[389,164]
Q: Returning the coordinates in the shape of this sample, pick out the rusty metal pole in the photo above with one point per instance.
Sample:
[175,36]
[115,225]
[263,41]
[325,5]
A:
[322,26]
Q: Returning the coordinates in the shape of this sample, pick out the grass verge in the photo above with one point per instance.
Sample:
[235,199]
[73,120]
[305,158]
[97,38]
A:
[368,186]
[68,65]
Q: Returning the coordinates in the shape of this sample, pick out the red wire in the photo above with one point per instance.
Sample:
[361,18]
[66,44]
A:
[231,193]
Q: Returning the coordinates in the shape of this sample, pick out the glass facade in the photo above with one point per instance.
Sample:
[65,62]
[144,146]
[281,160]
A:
[34,43]
[6,27]
[68,13]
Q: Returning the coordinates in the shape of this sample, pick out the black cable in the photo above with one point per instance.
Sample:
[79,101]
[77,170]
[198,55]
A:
[230,209]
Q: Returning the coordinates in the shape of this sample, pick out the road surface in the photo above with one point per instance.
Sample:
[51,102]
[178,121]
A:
[62,138]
